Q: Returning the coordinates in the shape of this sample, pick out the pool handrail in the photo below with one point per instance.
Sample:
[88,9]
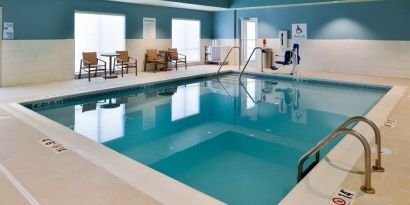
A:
[249,59]
[367,188]
[378,167]
[226,57]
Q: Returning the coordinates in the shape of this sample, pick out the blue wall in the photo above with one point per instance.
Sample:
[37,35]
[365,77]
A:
[54,19]
[385,20]
[224,24]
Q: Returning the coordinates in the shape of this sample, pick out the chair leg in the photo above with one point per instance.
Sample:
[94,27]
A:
[95,74]
[122,71]
[105,74]
[79,75]
[155,67]
[186,66]
[145,66]
[176,64]
[89,75]
[127,69]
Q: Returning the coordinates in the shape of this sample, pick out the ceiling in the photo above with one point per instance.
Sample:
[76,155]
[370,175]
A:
[221,5]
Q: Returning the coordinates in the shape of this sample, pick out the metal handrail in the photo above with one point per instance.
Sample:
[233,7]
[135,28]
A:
[223,63]
[249,59]
[367,188]
[378,167]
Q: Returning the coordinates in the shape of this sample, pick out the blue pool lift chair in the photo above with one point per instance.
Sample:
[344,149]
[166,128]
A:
[288,56]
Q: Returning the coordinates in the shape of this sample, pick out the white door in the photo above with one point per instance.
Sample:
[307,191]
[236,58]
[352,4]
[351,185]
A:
[249,37]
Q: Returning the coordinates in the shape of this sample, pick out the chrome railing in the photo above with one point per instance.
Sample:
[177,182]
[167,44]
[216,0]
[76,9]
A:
[378,167]
[229,53]
[367,187]
[249,59]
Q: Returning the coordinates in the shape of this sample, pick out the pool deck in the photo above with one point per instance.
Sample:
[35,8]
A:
[32,174]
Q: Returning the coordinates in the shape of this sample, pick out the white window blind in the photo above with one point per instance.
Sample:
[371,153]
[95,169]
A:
[186,36]
[99,33]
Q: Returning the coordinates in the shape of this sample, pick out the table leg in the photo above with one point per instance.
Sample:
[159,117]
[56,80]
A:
[110,65]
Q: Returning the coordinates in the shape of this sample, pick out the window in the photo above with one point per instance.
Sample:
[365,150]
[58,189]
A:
[186,38]
[99,33]
[185,102]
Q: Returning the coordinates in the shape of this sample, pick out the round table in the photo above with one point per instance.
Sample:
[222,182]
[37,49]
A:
[110,56]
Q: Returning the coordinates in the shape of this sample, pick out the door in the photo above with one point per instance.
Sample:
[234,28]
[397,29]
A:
[248,39]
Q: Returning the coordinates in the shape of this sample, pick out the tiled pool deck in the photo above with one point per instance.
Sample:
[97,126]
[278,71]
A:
[32,174]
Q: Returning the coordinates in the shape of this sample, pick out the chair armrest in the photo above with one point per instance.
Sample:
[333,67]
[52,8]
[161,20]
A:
[132,58]
[86,62]
[101,60]
[182,54]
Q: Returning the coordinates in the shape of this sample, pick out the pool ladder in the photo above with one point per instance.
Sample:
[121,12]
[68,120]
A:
[226,57]
[343,130]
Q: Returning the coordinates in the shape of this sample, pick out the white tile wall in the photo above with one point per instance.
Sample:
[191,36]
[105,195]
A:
[365,57]
[33,61]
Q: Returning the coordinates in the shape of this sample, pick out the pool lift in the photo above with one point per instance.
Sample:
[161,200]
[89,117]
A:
[291,57]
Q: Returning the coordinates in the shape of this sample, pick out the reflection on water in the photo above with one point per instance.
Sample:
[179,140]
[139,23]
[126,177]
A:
[238,141]
[101,121]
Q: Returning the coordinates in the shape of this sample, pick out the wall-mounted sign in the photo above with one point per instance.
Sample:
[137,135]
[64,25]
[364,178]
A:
[150,28]
[299,31]
[8,31]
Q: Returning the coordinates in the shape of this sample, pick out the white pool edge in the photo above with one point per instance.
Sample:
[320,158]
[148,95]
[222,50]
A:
[316,188]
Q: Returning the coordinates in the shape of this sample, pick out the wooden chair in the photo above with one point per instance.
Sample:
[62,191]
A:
[175,57]
[124,61]
[152,56]
[90,62]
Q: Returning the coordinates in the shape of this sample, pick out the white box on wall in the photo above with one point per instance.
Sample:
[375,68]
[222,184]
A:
[283,37]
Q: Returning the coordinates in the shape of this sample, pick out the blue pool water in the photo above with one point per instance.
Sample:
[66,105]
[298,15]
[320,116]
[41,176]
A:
[237,142]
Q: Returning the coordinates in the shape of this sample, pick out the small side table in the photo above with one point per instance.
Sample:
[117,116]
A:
[110,56]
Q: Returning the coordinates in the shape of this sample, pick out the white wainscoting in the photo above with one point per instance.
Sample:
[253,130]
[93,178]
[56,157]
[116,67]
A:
[34,61]
[364,57]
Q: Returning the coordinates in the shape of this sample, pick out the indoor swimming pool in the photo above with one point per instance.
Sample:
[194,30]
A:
[238,141]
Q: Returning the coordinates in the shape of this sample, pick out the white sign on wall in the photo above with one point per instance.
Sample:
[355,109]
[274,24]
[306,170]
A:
[150,28]
[299,31]
[8,31]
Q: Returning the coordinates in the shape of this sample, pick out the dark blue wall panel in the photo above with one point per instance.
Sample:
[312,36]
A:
[384,20]
[224,24]
[54,19]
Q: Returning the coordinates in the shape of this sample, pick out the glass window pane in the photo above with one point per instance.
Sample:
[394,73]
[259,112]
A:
[98,33]
[186,38]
